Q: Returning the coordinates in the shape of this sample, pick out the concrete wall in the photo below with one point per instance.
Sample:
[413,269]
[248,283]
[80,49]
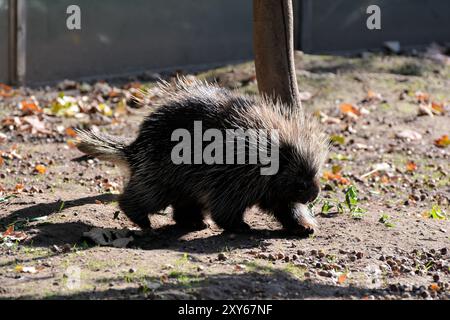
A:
[340,25]
[3,40]
[120,37]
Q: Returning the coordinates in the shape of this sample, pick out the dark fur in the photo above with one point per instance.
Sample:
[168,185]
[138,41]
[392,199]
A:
[225,191]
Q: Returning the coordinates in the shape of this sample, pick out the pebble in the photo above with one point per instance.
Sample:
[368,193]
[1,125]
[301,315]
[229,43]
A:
[324,273]
[222,257]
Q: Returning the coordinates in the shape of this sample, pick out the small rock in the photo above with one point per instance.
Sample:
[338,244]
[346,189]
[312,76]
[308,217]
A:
[444,251]
[222,257]
[324,273]
[359,255]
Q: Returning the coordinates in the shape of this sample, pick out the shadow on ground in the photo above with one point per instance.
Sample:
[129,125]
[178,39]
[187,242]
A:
[167,237]
[260,283]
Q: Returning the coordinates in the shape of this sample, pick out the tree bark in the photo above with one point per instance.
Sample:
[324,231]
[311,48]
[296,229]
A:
[273,41]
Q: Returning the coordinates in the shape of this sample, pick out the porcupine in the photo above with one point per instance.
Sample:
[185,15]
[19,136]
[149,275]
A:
[155,182]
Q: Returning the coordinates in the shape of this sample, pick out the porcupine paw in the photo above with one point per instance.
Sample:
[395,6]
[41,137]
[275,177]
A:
[193,225]
[240,227]
[300,231]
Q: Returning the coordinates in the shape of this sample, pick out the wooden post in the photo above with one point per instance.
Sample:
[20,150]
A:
[273,35]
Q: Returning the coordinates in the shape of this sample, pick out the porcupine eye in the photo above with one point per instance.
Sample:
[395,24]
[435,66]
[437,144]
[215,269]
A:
[302,186]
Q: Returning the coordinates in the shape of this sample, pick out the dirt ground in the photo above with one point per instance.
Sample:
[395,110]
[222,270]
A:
[391,243]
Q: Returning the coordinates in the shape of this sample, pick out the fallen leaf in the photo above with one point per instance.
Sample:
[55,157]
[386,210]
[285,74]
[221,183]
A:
[19,188]
[5,91]
[36,125]
[342,278]
[434,287]
[8,231]
[330,176]
[40,169]
[422,97]
[30,107]
[22,269]
[411,166]
[437,107]
[442,142]
[71,133]
[349,110]
[337,140]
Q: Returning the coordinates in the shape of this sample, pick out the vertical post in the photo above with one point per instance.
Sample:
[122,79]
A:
[274,50]
[12,41]
[17,42]
[21,41]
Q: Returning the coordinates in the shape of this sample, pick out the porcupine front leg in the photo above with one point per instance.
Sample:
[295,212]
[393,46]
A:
[295,218]
[138,201]
[229,215]
[188,214]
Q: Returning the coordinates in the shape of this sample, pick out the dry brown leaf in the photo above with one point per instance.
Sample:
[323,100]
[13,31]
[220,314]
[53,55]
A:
[30,107]
[422,97]
[5,91]
[19,188]
[350,110]
[437,107]
[411,166]
[330,176]
[342,278]
[71,133]
[442,142]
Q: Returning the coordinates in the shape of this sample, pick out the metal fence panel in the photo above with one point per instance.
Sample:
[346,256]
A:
[340,25]
[4,40]
[119,37]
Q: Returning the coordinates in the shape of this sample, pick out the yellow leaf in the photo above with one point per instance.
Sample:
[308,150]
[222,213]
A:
[442,142]
[40,169]
[437,107]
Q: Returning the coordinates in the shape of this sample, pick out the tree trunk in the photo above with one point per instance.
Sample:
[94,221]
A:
[273,36]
